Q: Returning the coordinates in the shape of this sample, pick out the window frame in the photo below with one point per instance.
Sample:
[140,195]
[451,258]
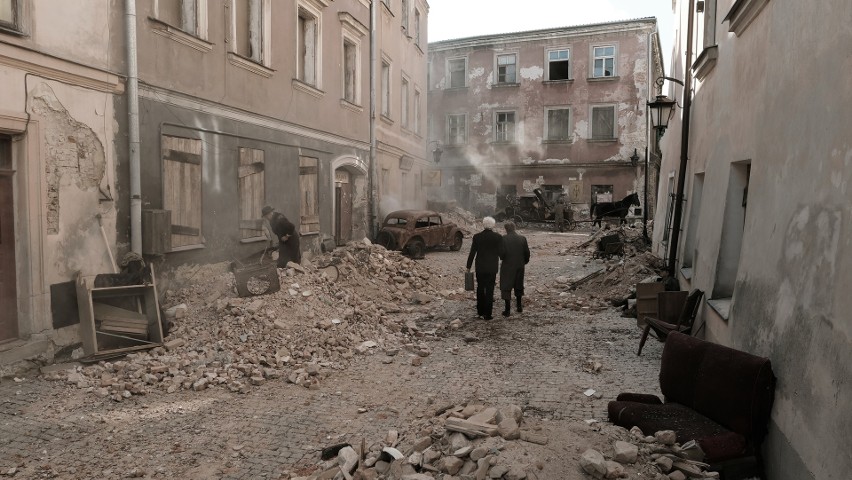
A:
[592,109]
[418,97]
[352,32]
[405,8]
[13,26]
[310,9]
[569,133]
[201,19]
[305,226]
[548,61]
[463,130]
[265,39]
[595,57]
[497,68]
[497,123]
[253,209]
[386,87]
[404,100]
[449,73]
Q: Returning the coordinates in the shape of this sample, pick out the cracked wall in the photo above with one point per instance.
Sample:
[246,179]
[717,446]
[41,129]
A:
[72,152]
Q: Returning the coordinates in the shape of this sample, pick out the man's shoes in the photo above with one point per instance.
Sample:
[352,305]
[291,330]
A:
[520,305]
[506,313]
[489,317]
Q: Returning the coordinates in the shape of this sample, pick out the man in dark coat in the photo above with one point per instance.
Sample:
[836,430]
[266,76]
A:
[516,254]
[288,244]
[486,248]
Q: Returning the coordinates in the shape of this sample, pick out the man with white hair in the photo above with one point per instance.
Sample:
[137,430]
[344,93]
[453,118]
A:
[486,248]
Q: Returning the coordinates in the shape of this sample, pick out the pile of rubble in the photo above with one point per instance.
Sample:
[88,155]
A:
[301,333]
[466,221]
[658,457]
[459,442]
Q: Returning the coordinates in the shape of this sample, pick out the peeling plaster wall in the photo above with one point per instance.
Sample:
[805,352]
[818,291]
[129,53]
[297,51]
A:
[790,300]
[605,163]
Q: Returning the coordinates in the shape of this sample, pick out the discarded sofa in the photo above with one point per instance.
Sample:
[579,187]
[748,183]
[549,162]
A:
[715,395]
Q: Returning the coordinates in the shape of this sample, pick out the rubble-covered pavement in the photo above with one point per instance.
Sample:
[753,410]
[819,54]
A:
[384,372]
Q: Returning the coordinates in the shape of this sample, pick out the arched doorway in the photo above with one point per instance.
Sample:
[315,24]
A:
[349,190]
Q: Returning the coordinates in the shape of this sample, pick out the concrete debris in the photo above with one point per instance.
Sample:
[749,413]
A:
[625,452]
[666,437]
[301,334]
[593,463]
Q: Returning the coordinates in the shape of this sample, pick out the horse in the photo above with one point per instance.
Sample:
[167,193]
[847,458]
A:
[613,209]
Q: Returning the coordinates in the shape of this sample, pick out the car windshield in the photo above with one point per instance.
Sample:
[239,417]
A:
[396,221]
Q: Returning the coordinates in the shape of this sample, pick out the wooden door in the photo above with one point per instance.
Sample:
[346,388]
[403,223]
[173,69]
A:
[8,279]
[343,207]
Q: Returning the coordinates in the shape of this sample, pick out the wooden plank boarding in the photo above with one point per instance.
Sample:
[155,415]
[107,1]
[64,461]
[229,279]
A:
[182,168]
[251,175]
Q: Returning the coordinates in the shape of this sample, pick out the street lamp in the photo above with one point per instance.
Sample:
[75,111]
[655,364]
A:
[437,151]
[634,159]
[662,109]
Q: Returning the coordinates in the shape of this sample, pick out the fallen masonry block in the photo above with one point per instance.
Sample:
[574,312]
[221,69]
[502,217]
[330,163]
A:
[536,438]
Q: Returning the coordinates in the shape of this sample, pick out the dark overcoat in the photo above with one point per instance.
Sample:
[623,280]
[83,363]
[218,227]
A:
[516,255]
[289,251]
[486,248]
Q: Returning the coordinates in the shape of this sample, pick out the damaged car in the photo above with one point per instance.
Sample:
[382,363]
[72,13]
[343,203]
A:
[415,231]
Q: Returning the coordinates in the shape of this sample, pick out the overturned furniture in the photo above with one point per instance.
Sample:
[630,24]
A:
[676,312]
[118,319]
[717,396]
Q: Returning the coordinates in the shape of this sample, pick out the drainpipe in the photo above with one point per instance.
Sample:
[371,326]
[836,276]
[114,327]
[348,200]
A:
[373,207]
[684,144]
[133,127]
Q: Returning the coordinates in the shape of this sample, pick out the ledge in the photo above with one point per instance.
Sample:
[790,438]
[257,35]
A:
[686,273]
[722,306]
[505,144]
[169,31]
[603,79]
[558,82]
[601,140]
[705,62]
[238,60]
[557,142]
[10,30]
[351,106]
[742,13]
[505,85]
[186,248]
[254,240]
[309,89]
[386,119]
[456,89]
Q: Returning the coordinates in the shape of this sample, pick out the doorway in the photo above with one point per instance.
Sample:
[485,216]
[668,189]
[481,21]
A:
[342,207]
[8,276]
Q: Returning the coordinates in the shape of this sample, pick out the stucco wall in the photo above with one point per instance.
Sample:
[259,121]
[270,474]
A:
[770,100]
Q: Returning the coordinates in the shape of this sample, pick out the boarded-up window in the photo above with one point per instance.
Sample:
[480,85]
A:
[182,188]
[603,123]
[307,47]
[309,208]
[251,192]
[457,68]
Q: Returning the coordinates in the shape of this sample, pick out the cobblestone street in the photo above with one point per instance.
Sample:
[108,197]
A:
[542,360]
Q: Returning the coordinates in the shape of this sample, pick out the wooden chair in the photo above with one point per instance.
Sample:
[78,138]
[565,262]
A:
[684,320]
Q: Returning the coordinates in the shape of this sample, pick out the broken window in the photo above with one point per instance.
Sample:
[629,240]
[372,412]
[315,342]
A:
[733,229]
[350,65]
[457,68]
[456,129]
[416,111]
[9,13]
[604,61]
[309,205]
[248,28]
[603,123]
[251,191]
[506,65]
[385,89]
[308,47]
[558,124]
[182,189]
[558,64]
[403,101]
[505,127]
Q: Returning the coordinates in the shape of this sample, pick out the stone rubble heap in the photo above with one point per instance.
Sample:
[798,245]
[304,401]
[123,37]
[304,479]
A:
[301,333]
[658,456]
[461,442]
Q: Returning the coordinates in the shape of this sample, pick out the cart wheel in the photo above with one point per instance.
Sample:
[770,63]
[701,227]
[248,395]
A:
[570,225]
[519,221]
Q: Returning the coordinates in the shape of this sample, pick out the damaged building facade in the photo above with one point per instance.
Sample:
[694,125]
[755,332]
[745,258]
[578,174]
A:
[242,103]
[767,221]
[59,151]
[561,109]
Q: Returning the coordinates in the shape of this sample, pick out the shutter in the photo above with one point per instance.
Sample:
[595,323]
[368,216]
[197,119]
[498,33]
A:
[251,191]
[309,208]
[182,188]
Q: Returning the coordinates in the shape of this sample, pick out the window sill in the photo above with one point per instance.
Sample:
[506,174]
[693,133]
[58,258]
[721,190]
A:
[686,273]
[505,85]
[387,9]
[705,62]
[601,140]
[455,89]
[558,82]
[174,33]
[309,89]
[419,49]
[721,306]
[742,13]
[455,145]
[187,248]
[252,66]
[504,143]
[386,119]
[612,78]
[557,142]
[12,30]
[254,240]
[351,106]
[309,234]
